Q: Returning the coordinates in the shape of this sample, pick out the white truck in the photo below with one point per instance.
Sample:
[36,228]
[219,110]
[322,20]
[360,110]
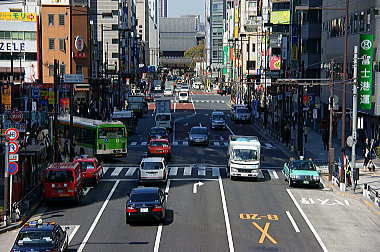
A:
[244,157]
[163,115]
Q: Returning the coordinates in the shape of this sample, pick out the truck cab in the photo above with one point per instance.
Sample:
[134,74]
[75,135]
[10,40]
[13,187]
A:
[244,156]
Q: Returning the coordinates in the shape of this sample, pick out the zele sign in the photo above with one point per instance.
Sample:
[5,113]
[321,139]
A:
[12,46]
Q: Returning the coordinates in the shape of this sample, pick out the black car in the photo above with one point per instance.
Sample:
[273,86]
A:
[39,236]
[198,135]
[157,133]
[146,203]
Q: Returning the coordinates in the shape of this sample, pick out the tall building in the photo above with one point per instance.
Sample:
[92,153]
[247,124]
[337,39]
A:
[163,10]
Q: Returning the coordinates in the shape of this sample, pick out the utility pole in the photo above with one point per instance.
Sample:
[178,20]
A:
[6,177]
[331,110]
[55,111]
[343,140]
[300,120]
[354,113]
[71,151]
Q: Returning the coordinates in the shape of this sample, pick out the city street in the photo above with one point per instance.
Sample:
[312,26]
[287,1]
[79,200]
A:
[206,210]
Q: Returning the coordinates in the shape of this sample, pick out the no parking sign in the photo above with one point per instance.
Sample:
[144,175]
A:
[12,168]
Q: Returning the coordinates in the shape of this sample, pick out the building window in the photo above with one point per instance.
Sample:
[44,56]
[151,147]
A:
[16,35]
[356,25]
[30,35]
[51,19]
[115,41]
[115,12]
[115,55]
[62,69]
[30,56]
[115,27]
[368,21]
[51,70]
[51,44]
[61,19]
[62,44]
[79,69]
[215,54]
[251,65]
[252,5]
[361,21]
[247,48]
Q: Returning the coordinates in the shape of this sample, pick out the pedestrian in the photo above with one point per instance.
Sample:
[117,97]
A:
[325,139]
[305,133]
[366,157]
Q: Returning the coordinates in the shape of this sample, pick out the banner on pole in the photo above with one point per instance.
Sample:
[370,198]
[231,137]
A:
[365,71]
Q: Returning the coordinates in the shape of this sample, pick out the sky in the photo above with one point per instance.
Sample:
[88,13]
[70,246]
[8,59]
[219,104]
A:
[178,8]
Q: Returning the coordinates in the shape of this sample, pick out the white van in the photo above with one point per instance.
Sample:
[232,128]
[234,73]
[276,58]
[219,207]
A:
[153,169]
[183,96]
[164,120]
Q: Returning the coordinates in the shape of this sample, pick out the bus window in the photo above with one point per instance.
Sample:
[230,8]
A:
[111,132]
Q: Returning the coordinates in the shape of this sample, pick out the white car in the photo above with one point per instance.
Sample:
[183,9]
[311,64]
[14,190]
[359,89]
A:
[168,92]
[153,169]
[183,96]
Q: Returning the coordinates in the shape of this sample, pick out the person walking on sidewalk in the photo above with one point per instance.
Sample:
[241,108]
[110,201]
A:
[325,139]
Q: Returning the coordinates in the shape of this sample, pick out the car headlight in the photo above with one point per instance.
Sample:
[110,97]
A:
[295,177]
[234,170]
[316,177]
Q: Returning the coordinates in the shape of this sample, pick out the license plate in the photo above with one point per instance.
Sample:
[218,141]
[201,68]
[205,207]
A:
[306,182]
[59,191]
[144,210]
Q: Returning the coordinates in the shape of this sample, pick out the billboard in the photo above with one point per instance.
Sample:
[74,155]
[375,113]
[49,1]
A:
[18,16]
[275,63]
[280,17]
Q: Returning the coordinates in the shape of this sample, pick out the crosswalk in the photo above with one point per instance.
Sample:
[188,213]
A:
[184,171]
[215,143]
[208,101]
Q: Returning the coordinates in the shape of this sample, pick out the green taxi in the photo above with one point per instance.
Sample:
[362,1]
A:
[301,172]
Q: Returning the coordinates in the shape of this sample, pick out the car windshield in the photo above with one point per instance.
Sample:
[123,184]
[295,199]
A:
[87,165]
[142,197]
[157,131]
[35,238]
[183,94]
[163,118]
[56,176]
[245,155]
[218,117]
[158,144]
[151,165]
[198,131]
[303,165]
[112,132]
[242,110]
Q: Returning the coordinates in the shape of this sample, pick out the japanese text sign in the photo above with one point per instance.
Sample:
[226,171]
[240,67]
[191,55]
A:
[365,71]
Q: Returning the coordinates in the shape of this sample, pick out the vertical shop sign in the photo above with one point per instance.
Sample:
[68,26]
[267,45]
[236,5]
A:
[365,71]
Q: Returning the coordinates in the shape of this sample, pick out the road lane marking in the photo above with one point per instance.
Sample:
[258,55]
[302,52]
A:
[316,235]
[117,171]
[226,218]
[159,229]
[105,169]
[185,143]
[97,218]
[293,222]
[71,236]
[264,233]
[232,133]
[134,143]
[195,112]
[131,171]
[196,185]
[187,171]
[87,190]
[143,143]
[202,172]
[215,172]
[274,174]
[173,171]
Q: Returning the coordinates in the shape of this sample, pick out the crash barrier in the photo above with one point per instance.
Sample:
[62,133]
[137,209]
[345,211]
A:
[21,209]
[371,194]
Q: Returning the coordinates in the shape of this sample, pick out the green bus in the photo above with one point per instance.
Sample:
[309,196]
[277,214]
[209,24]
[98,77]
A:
[94,137]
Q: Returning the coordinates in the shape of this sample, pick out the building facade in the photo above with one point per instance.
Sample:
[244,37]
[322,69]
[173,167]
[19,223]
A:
[163,12]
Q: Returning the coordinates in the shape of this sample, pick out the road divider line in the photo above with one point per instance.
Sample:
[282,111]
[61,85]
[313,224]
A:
[97,218]
[316,235]
[232,133]
[226,218]
[159,229]
[195,111]
[293,222]
[71,236]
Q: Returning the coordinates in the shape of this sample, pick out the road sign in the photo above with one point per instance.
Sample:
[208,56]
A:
[73,78]
[12,168]
[13,157]
[35,92]
[12,134]
[16,116]
[13,147]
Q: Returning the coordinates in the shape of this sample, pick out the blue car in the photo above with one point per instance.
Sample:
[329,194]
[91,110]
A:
[39,236]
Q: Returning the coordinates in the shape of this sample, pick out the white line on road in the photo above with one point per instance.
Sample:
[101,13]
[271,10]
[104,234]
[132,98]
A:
[117,171]
[293,222]
[226,218]
[143,143]
[195,112]
[232,133]
[71,236]
[216,143]
[97,218]
[215,172]
[130,171]
[159,229]
[202,172]
[316,235]
[85,192]
[187,171]
[105,169]
[134,143]
[275,174]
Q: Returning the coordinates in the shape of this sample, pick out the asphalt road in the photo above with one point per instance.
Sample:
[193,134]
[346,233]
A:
[206,210]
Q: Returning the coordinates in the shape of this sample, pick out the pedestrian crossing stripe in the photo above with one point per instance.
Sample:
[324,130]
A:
[208,101]
[185,171]
[182,142]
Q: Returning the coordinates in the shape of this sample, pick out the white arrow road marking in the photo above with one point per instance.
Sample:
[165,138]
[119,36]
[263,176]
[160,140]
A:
[97,218]
[87,190]
[195,186]
[159,229]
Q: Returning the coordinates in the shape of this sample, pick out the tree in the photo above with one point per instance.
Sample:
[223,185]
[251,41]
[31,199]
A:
[195,52]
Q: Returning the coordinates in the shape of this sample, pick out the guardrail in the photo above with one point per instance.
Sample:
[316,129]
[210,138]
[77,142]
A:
[21,208]
[371,194]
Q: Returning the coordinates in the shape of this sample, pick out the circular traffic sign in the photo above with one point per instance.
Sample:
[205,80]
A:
[11,134]
[13,147]
[16,116]
[12,168]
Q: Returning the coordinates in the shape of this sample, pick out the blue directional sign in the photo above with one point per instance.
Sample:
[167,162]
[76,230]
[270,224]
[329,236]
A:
[12,168]
[36,93]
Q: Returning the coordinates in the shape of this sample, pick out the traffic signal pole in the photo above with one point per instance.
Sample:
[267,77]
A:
[6,181]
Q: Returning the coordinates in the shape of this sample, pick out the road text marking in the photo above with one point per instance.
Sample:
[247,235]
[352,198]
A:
[226,218]
[293,222]
[264,233]
[316,235]
[254,216]
[97,218]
